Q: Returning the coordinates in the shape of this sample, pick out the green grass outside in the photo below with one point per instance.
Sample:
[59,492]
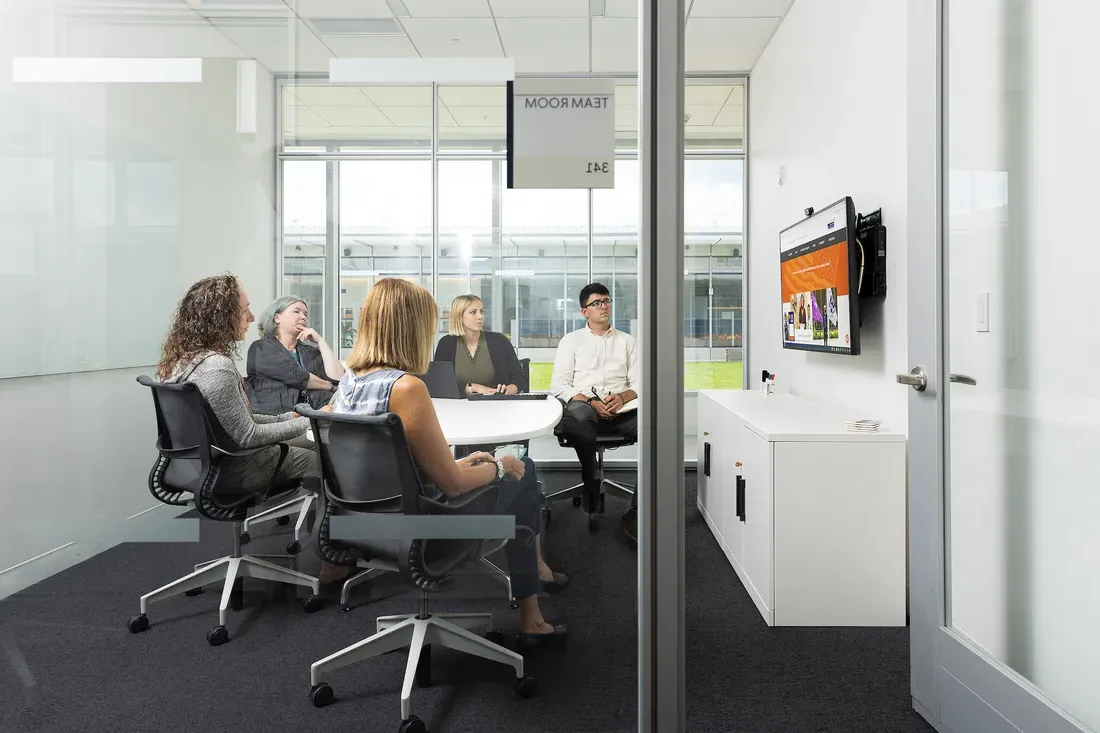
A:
[697,375]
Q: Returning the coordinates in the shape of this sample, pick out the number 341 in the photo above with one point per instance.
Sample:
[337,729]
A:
[598,167]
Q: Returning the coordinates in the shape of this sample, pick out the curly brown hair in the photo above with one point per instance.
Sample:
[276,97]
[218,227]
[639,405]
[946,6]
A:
[208,318]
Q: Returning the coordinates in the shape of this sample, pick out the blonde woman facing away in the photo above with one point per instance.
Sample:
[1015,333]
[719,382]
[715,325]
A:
[485,362]
[394,342]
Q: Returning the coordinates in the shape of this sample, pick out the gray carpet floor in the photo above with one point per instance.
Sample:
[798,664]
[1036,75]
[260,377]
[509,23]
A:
[67,662]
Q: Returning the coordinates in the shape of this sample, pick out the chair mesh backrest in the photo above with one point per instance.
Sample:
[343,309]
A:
[368,468]
[183,424]
[366,461]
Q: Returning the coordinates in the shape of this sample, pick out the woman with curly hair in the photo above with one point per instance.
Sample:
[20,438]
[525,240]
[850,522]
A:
[209,323]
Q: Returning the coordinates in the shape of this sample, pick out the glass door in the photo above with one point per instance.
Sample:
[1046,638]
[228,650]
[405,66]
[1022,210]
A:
[1003,418]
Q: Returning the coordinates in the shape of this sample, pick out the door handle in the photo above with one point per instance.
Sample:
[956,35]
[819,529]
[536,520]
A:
[917,378]
[963,379]
[706,459]
[741,498]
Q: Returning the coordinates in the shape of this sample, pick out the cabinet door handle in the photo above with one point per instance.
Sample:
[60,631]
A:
[741,498]
[706,459]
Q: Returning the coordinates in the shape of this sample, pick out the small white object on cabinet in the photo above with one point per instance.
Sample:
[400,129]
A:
[811,515]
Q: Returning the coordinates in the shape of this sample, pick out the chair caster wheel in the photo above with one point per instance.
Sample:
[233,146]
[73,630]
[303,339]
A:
[193,592]
[217,636]
[593,524]
[412,725]
[321,695]
[513,605]
[424,667]
[293,547]
[495,637]
[282,521]
[138,623]
[245,538]
[526,687]
[312,604]
[576,501]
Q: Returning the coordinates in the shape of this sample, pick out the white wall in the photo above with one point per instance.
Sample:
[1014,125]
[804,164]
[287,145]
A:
[1024,500]
[78,446]
[832,113]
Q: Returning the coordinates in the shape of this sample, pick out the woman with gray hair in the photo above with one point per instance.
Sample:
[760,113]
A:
[290,363]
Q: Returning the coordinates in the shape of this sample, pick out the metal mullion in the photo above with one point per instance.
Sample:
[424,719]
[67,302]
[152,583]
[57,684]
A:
[435,191]
[332,252]
[278,270]
[745,246]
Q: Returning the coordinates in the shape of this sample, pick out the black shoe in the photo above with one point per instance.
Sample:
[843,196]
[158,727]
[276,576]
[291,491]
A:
[533,641]
[557,585]
[630,525]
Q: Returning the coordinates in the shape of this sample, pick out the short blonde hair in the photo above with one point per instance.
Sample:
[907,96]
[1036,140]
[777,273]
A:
[396,328]
[459,306]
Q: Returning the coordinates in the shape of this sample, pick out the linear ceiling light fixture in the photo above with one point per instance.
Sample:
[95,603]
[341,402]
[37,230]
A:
[73,70]
[397,7]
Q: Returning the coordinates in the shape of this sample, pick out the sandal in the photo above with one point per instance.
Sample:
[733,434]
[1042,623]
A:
[557,585]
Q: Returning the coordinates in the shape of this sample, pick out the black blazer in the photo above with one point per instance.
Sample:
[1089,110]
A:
[505,362]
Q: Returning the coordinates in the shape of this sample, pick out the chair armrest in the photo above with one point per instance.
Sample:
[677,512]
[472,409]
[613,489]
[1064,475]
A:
[456,504]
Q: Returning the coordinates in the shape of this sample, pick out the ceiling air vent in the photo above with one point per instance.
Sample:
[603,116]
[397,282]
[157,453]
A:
[355,26]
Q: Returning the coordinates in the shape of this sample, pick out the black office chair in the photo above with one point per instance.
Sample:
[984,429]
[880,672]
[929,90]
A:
[185,473]
[368,469]
[623,491]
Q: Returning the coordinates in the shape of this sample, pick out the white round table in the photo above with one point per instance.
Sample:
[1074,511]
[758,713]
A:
[482,422]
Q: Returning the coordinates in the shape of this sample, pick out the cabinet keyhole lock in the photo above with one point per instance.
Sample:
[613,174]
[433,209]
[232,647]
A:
[738,464]
[705,433]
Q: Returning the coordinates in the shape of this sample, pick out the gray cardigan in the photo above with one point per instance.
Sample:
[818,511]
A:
[221,386]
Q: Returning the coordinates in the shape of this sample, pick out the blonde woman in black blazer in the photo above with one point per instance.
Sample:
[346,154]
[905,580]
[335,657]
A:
[485,362]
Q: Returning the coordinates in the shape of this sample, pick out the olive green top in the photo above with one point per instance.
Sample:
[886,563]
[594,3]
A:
[476,369]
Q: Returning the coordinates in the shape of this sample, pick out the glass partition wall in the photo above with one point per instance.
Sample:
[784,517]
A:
[368,191]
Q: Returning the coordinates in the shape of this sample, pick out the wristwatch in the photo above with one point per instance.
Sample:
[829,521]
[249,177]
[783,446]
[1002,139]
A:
[500,469]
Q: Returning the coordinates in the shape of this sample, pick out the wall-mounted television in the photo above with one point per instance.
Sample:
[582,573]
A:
[819,272]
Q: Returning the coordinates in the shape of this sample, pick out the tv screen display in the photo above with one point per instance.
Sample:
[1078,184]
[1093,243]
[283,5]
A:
[819,270]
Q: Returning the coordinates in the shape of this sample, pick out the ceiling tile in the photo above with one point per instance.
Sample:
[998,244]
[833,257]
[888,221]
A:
[416,116]
[474,96]
[370,47]
[546,44]
[623,8]
[544,9]
[726,44]
[615,44]
[454,38]
[365,116]
[626,117]
[318,95]
[286,49]
[478,116]
[302,117]
[740,8]
[626,95]
[448,8]
[701,116]
[399,96]
[340,8]
[706,94]
[731,114]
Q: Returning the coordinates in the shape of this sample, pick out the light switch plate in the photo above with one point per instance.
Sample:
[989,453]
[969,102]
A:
[981,313]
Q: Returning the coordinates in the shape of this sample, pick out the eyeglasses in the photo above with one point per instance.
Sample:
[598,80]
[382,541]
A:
[605,303]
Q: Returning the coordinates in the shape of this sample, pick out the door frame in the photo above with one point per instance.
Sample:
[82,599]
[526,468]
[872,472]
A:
[956,685]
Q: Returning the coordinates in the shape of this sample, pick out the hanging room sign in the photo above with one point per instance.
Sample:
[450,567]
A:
[561,133]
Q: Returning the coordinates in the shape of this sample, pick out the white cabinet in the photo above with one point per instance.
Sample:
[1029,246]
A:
[811,517]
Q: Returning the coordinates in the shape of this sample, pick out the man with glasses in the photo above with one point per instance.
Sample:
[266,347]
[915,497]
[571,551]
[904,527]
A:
[596,376]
